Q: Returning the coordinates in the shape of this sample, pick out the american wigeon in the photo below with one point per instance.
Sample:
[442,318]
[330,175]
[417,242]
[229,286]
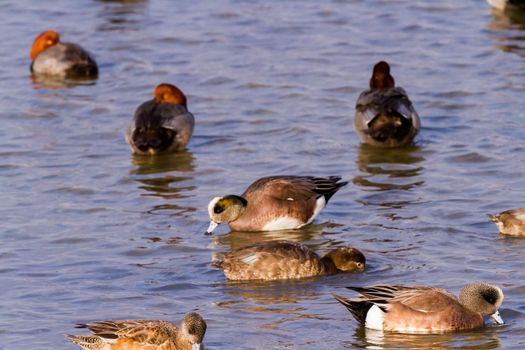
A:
[52,57]
[424,309]
[384,115]
[278,260]
[274,203]
[161,125]
[510,222]
[143,334]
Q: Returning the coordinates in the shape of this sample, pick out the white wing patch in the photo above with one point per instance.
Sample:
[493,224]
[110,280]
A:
[249,259]
[520,216]
[290,199]
[283,223]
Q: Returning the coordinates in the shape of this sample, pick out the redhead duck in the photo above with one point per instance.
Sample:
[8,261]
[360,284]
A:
[274,203]
[279,260]
[384,115]
[161,125]
[50,56]
[424,309]
[143,334]
[510,222]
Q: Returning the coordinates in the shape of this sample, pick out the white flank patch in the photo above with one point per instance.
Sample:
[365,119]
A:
[319,205]
[374,318]
[250,259]
[520,216]
[283,223]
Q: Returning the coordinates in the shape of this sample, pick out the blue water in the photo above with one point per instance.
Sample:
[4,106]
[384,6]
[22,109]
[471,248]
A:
[89,232]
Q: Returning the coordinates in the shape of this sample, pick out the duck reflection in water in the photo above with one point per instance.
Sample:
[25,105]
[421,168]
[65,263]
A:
[375,339]
[173,187]
[237,239]
[389,175]
[285,300]
[121,15]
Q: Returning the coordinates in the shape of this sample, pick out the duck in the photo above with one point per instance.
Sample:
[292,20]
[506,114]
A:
[274,203]
[384,115]
[279,260]
[510,222]
[51,57]
[143,334]
[419,309]
[161,125]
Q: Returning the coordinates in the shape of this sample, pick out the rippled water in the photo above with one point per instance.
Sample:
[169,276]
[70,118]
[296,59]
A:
[90,232]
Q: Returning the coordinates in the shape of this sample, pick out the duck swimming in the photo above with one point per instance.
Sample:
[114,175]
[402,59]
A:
[161,125]
[50,56]
[143,334]
[279,260]
[274,203]
[384,115]
[510,222]
[424,309]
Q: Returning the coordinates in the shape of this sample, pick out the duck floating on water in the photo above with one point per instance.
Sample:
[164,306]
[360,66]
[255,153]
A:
[161,125]
[384,115]
[51,57]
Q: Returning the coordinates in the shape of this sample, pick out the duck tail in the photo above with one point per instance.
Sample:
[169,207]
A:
[327,187]
[358,308]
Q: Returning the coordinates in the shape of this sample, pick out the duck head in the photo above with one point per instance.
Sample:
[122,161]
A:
[42,42]
[483,298]
[346,259]
[381,78]
[193,328]
[225,209]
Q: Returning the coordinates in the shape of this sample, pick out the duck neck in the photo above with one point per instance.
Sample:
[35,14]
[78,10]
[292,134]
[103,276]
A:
[180,341]
[329,265]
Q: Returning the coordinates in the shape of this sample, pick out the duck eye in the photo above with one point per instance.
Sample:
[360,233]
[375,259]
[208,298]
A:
[218,209]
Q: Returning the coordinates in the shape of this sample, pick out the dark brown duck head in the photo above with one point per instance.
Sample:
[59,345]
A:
[344,259]
[42,42]
[381,78]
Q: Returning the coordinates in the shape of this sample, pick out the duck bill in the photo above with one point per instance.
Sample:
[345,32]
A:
[497,318]
[196,346]
[212,227]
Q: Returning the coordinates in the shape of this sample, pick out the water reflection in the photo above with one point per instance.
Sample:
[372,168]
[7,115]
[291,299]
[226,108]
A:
[237,239]
[286,298]
[121,14]
[49,82]
[390,174]
[480,339]
[168,187]
[180,161]
[509,25]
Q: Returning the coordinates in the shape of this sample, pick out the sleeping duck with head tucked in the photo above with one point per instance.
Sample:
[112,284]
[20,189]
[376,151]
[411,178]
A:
[161,125]
[52,57]
[384,115]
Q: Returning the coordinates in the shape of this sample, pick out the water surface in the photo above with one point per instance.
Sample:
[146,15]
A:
[90,232]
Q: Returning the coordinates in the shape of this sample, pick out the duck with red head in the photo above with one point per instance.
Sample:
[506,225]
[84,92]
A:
[51,57]
[161,125]
[384,115]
